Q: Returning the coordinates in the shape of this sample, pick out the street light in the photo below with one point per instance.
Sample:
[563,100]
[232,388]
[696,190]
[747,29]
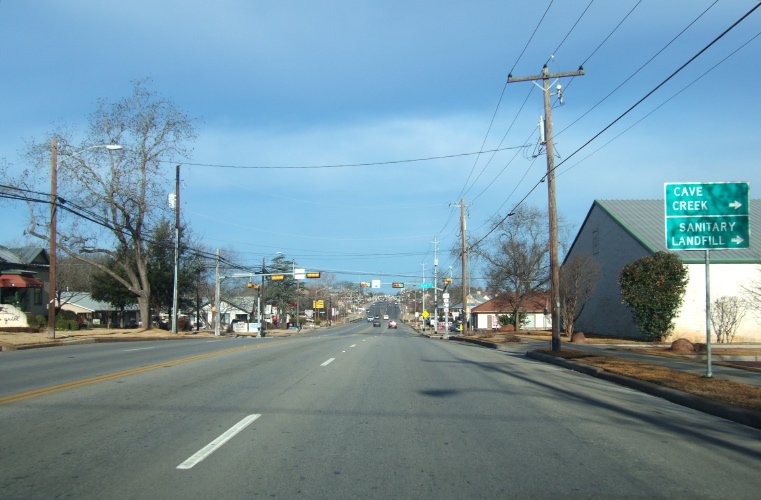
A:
[53,225]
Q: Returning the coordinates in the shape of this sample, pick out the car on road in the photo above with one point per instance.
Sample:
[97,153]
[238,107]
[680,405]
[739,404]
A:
[392,324]
[376,323]
[369,319]
[385,316]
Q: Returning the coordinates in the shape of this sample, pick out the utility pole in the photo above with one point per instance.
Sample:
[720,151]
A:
[53,230]
[435,285]
[554,265]
[262,323]
[423,290]
[175,294]
[464,261]
[216,298]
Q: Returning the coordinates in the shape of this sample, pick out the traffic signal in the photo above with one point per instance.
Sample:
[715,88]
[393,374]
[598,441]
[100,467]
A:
[277,277]
[313,275]
[253,285]
[447,281]
[397,285]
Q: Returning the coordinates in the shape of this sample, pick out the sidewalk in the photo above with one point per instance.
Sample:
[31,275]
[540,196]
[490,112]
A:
[748,377]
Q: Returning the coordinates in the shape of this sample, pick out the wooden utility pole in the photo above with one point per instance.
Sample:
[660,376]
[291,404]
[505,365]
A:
[176,285]
[464,261]
[53,231]
[554,263]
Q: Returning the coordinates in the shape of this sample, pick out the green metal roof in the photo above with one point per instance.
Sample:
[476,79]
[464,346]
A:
[645,220]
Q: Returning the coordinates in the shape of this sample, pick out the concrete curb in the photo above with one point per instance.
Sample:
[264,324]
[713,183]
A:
[741,416]
[482,343]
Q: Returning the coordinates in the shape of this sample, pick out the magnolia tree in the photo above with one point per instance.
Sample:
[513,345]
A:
[653,288]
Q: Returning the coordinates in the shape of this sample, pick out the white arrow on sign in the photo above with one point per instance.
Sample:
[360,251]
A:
[737,240]
[735,205]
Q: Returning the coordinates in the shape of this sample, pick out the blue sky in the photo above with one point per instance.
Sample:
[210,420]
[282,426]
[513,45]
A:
[298,83]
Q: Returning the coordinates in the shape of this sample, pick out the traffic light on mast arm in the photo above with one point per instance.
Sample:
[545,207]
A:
[253,285]
[447,281]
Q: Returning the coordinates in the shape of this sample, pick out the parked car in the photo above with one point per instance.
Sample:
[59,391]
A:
[376,323]
[392,324]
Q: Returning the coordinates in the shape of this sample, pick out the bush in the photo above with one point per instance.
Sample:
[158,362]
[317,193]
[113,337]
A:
[36,321]
[183,324]
[66,324]
[653,288]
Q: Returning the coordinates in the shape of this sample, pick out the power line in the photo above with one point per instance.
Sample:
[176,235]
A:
[622,115]
[638,69]
[346,165]
[662,83]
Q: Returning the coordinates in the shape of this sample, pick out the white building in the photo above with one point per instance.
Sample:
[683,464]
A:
[617,232]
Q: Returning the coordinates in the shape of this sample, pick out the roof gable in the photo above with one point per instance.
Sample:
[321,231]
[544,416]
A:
[533,303]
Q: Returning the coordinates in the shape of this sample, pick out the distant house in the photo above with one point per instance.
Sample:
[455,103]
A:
[24,276]
[535,308]
[617,232]
[474,299]
[98,313]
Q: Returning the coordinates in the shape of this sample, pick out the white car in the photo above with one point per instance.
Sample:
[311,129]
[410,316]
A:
[385,316]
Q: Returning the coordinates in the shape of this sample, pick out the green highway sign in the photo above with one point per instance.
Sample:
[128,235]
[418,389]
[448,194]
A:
[707,216]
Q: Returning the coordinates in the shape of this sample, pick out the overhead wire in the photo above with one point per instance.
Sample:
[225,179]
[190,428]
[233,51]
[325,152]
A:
[638,70]
[678,70]
[570,31]
[340,165]
[662,104]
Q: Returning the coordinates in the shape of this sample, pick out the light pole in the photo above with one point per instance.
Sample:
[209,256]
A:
[54,225]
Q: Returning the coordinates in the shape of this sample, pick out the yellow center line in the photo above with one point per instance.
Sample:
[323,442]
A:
[133,371]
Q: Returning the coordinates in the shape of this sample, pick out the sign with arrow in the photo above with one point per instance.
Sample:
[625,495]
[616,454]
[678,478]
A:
[707,216]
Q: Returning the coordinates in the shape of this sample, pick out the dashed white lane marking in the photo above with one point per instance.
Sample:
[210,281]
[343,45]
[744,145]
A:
[214,445]
[328,362]
[139,349]
[353,345]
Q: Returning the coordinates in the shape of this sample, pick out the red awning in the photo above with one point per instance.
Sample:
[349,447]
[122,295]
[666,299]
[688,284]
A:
[18,281]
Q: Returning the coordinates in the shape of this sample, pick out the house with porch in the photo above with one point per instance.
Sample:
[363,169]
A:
[24,278]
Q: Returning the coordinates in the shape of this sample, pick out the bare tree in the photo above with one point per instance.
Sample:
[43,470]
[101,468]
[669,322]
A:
[578,279]
[752,293]
[112,199]
[726,315]
[516,257]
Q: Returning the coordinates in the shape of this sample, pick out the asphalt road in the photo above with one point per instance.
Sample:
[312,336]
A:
[349,412]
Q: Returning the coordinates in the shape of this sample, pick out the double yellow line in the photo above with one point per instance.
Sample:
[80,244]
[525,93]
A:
[111,376]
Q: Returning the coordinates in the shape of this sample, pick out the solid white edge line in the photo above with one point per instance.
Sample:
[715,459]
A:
[328,362]
[214,445]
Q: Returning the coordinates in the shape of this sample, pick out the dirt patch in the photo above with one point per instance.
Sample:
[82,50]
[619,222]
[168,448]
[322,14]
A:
[725,391]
